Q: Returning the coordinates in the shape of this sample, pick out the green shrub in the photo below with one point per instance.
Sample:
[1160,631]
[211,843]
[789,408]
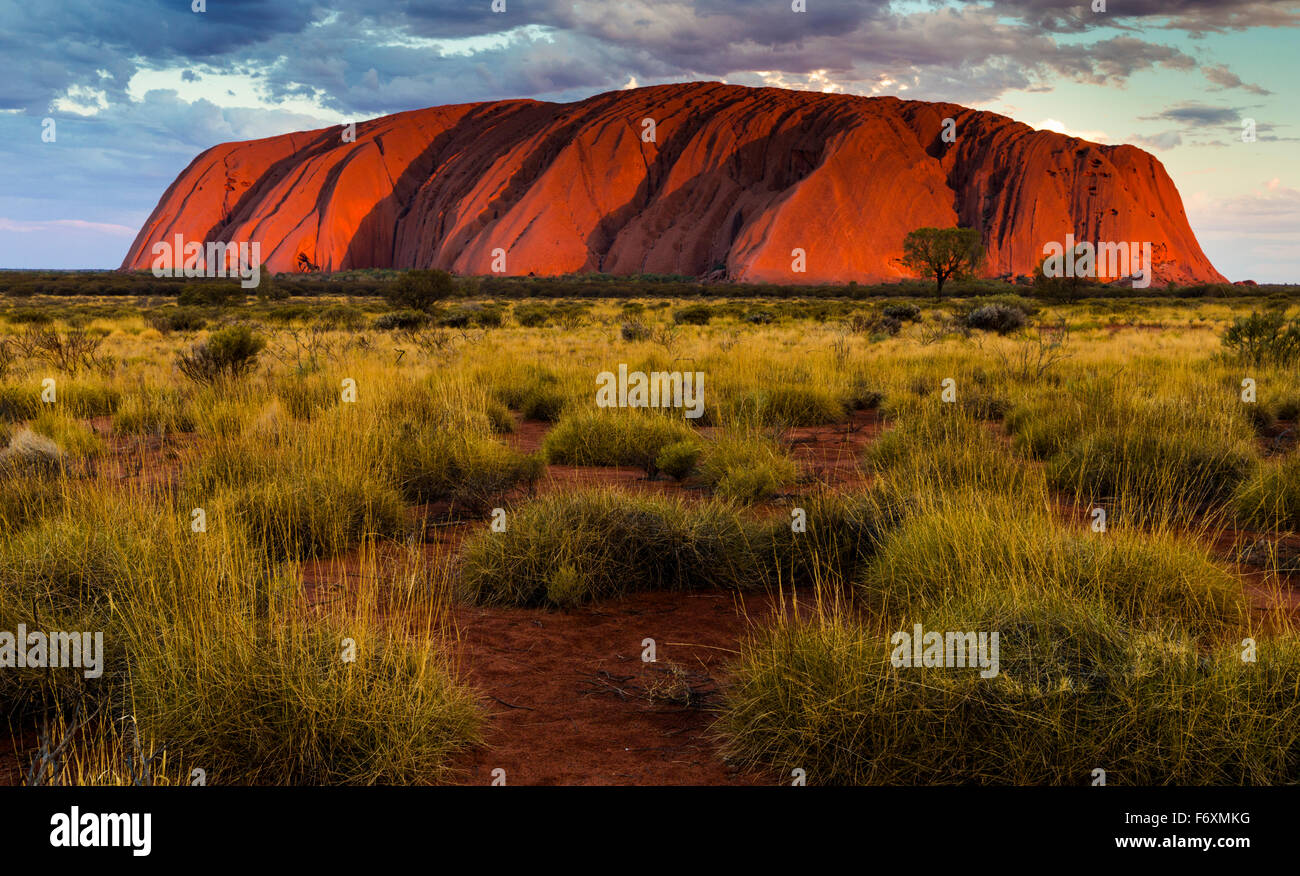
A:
[902,312]
[227,354]
[341,316]
[420,289]
[203,293]
[532,315]
[1264,338]
[996,318]
[693,314]
[180,319]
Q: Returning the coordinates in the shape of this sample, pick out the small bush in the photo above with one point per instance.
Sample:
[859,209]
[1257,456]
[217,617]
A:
[420,289]
[1264,338]
[180,319]
[227,354]
[635,330]
[693,314]
[532,315]
[401,320]
[902,312]
[999,318]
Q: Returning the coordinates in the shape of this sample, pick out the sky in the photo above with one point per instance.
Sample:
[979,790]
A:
[104,102]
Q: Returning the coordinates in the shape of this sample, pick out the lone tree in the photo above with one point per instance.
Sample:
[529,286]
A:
[943,253]
[420,290]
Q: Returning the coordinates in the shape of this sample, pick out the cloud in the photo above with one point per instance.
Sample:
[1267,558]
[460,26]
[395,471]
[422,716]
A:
[1159,142]
[1198,114]
[1221,76]
[1193,16]
[54,225]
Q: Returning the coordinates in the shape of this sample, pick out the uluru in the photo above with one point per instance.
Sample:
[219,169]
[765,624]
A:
[698,179]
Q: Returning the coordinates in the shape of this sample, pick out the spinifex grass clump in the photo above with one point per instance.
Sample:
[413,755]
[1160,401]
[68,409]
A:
[1121,444]
[471,471]
[747,467]
[934,447]
[567,549]
[151,410]
[72,569]
[207,646]
[1270,499]
[827,537]
[302,516]
[615,438]
[75,397]
[281,705]
[772,403]
[1075,690]
[965,545]
[99,750]
[75,439]
[29,489]
[537,393]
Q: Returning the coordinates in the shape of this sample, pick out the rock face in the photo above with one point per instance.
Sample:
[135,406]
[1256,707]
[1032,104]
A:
[734,179]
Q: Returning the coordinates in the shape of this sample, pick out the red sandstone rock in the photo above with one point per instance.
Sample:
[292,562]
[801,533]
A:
[738,178]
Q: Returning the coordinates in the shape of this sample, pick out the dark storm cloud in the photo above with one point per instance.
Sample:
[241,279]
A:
[50,47]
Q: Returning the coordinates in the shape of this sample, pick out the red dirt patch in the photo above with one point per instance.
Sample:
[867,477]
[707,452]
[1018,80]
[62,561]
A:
[568,692]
